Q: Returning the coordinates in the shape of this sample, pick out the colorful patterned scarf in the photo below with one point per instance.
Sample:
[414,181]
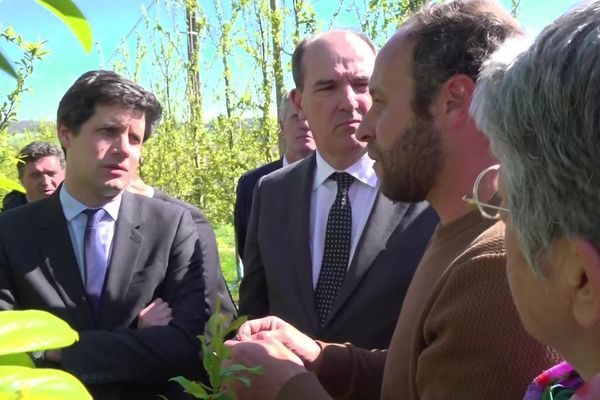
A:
[562,382]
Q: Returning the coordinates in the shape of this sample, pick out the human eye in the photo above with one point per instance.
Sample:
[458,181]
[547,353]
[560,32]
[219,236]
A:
[361,86]
[107,131]
[325,88]
[135,138]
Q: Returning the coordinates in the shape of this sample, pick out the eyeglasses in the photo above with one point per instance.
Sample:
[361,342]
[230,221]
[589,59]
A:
[487,210]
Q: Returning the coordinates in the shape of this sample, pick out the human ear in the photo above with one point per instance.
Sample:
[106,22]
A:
[583,278]
[296,96]
[453,100]
[64,135]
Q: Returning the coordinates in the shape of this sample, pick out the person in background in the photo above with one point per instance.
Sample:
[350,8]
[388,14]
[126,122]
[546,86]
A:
[458,335]
[541,111]
[326,250]
[41,169]
[299,143]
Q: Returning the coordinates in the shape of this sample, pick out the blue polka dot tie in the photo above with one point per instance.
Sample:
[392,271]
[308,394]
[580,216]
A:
[336,253]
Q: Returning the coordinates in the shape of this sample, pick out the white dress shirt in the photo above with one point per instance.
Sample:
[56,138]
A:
[362,194]
[77,221]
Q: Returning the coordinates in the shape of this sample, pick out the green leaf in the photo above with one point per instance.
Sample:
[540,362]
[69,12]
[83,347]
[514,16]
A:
[72,17]
[37,384]
[31,330]
[235,325]
[257,370]
[245,380]
[6,67]
[20,359]
[194,388]
[9,184]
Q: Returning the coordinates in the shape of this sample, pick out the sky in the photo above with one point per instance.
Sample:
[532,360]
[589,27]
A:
[113,20]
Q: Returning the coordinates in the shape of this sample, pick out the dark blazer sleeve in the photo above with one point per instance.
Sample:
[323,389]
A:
[254,298]
[243,201]
[154,353]
[13,199]
[216,287]
[240,215]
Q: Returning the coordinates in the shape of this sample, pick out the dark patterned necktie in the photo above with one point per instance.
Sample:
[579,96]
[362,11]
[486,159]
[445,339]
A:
[94,250]
[336,252]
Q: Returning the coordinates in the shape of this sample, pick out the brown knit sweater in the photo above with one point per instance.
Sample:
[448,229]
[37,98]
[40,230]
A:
[458,335]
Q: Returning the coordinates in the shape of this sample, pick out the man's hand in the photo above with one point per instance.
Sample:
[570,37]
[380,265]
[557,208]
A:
[158,313]
[275,328]
[279,365]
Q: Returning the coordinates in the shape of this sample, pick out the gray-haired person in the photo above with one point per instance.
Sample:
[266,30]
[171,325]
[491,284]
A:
[41,169]
[541,112]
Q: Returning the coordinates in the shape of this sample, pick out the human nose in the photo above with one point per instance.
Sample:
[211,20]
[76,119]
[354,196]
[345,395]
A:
[46,180]
[348,99]
[122,145]
[366,130]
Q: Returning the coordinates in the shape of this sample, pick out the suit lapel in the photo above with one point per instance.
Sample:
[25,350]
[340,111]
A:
[300,190]
[59,260]
[383,220]
[127,241]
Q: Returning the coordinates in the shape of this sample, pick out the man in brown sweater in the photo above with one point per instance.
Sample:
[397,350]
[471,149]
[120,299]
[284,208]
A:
[458,335]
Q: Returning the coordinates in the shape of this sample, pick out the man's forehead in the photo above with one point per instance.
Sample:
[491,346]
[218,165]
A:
[345,50]
[45,160]
[394,59]
[116,113]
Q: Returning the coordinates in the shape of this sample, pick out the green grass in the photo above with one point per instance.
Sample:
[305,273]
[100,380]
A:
[226,244]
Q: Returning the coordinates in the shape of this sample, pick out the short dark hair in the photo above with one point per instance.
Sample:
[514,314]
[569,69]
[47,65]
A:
[298,67]
[454,38]
[105,88]
[36,150]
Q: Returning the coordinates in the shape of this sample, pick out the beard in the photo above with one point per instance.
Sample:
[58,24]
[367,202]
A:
[409,168]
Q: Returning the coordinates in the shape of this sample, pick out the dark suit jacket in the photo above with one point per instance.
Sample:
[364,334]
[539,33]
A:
[215,285]
[278,267]
[13,199]
[243,201]
[156,253]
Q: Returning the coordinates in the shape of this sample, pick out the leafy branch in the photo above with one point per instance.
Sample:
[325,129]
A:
[221,378]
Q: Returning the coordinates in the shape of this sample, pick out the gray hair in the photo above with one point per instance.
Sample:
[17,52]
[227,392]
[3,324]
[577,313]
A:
[297,56]
[284,107]
[36,150]
[541,112]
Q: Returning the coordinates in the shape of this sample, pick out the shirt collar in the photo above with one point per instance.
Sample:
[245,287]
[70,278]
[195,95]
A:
[284,162]
[73,207]
[362,170]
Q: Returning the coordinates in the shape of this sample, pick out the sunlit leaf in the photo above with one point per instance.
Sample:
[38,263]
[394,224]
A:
[31,330]
[257,370]
[9,184]
[71,16]
[17,359]
[194,388]
[6,67]
[234,326]
[40,384]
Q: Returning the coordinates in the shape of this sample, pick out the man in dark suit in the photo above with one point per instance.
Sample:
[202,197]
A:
[299,143]
[335,278]
[104,260]
[41,168]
